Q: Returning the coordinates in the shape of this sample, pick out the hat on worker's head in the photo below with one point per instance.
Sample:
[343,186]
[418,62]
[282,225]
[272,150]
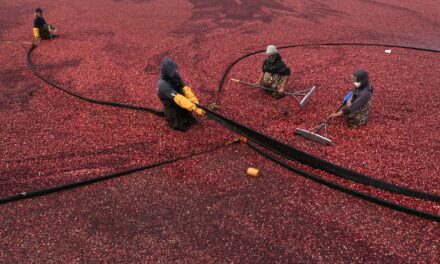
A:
[169,68]
[271,50]
[361,75]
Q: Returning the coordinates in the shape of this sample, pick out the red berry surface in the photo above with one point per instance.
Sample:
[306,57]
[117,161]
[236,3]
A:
[205,209]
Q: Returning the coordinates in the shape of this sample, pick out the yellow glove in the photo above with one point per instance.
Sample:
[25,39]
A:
[36,33]
[190,95]
[184,102]
[200,111]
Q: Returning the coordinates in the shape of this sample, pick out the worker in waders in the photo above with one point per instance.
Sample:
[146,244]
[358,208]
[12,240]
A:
[42,30]
[275,73]
[178,100]
[359,100]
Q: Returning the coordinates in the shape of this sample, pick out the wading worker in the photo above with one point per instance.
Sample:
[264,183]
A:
[178,100]
[42,30]
[358,104]
[275,72]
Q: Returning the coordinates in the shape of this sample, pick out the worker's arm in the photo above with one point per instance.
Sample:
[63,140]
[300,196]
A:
[346,102]
[357,104]
[190,95]
[185,103]
[165,90]
[337,114]
[36,34]
[260,79]
[283,84]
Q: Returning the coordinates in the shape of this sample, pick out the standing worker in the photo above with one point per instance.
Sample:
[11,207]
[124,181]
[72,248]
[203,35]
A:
[275,72]
[178,100]
[42,30]
[359,102]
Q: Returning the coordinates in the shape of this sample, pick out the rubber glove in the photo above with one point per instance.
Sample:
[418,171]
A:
[184,102]
[200,111]
[347,97]
[190,95]
[36,34]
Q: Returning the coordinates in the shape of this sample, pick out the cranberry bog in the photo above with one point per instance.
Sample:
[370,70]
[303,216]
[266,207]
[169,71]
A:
[204,208]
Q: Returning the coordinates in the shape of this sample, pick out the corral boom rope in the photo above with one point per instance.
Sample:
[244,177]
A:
[256,138]
[294,154]
[90,100]
[79,183]
[349,191]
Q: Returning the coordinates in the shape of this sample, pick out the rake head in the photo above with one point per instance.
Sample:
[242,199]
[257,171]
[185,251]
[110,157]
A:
[306,98]
[313,136]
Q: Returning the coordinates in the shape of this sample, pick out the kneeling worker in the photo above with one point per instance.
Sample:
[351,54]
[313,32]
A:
[275,72]
[178,100]
[358,104]
[42,30]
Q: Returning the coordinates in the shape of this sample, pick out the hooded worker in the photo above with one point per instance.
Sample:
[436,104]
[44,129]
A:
[275,72]
[358,100]
[178,99]
[42,30]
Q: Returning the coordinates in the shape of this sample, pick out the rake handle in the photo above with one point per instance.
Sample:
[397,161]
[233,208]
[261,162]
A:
[320,127]
[253,85]
[17,42]
[269,89]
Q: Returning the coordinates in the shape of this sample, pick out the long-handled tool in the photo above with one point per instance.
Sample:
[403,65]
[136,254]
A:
[17,42]
[315,136]
[306,94]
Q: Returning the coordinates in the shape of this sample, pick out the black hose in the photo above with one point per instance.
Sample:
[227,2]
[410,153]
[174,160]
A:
[90,100]
[292,153]
[349,191]
[79,183]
